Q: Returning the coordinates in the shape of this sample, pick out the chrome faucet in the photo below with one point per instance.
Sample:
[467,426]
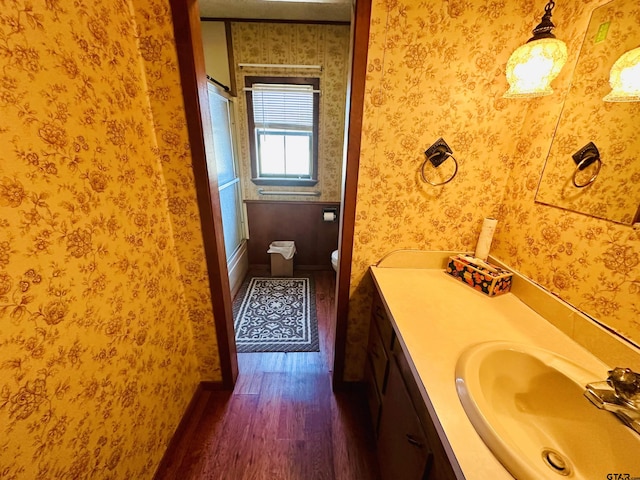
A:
[619,394]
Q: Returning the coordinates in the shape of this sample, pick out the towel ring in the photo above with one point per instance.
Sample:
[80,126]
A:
[584,163]
[436,161]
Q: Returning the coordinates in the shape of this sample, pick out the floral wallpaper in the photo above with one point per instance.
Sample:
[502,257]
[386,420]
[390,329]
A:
[101,271]
[163,82]
[297,44]
[439,72]
[615,194]
[592,264]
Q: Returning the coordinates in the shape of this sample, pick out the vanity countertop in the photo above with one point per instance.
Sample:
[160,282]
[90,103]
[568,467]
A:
[437,317]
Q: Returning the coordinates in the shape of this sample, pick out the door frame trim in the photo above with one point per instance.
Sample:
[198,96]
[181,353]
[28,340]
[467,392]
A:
[193,78]
[353,134]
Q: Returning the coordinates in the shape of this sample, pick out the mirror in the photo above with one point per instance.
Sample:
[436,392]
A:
[613,127]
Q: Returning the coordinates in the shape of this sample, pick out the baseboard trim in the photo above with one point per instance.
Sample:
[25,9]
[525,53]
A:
[304,268]
[212,385]
[343,386]
[202,387]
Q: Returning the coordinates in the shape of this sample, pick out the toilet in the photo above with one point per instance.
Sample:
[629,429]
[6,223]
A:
[334,260]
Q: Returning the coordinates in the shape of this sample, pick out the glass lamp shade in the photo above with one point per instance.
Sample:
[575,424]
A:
[625,78]
[532,67]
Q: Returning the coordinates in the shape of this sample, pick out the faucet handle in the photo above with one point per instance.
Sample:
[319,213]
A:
[626,384]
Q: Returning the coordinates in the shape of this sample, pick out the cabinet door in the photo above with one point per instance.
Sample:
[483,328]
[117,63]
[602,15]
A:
[403,451]
[439,466]
[373,397]
[379,359]
[379,316]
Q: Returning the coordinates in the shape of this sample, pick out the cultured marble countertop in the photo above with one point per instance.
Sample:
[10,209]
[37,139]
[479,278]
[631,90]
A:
[437,317]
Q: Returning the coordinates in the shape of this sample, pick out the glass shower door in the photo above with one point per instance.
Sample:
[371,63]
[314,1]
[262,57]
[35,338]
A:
[227,168]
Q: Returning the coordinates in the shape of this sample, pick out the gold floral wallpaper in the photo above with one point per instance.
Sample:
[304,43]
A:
[297,44]
[158,53]
[439,72]
[592,264]
[101,271]
[615,194]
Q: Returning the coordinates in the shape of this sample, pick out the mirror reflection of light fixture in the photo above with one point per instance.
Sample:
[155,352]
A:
[532,66]
[625,78]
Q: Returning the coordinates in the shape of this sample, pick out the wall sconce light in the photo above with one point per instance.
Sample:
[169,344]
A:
[625,78]
[585,157]
[532,66]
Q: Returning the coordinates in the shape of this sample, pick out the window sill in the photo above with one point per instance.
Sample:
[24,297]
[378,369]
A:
[285,182]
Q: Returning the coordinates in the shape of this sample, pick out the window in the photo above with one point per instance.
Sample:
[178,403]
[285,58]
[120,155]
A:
[283,130]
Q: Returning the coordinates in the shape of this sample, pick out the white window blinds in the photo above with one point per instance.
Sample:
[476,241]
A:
[282,106]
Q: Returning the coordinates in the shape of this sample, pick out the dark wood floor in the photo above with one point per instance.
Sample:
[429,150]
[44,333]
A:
[282,421]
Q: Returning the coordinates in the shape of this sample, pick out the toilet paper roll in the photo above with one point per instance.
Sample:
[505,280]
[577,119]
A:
[329,216]
[485,238]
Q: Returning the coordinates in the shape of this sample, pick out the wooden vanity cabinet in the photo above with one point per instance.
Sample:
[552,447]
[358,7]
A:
[381,340]
[403,449]
[408,445]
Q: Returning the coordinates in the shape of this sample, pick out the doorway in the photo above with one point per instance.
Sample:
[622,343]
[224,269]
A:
[188,40]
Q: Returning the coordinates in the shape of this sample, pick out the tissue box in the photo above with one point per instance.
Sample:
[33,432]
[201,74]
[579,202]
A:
[492,282]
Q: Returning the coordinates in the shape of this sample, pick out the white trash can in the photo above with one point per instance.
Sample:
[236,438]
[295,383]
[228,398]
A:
[281,253]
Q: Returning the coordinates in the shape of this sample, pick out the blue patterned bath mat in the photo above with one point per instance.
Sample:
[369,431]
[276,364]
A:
[274,314]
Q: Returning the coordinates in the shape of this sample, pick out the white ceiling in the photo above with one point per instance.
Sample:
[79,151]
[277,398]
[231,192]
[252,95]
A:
[310,10]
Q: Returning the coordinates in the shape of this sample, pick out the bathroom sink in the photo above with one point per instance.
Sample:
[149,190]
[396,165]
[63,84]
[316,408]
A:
[527,405]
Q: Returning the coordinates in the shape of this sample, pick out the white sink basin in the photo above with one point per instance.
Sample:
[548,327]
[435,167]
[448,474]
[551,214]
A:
[528,407]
